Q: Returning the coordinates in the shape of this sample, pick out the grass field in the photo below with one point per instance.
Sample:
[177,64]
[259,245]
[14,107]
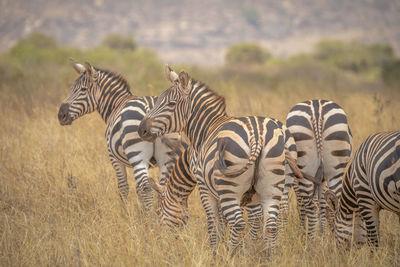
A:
[58,193]
[59,204]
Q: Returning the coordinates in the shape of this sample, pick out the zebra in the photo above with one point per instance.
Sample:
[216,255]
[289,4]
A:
[109,94]
[172,198]
[324,146]
[371,183]
[236,161]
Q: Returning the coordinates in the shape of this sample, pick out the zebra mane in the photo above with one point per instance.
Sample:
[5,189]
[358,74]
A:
[115,75]
[199,84]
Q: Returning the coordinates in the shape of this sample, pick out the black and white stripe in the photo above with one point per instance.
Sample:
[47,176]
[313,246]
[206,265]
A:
[236,161]
[173,197]
[324,147]
[371,183]
[109,94]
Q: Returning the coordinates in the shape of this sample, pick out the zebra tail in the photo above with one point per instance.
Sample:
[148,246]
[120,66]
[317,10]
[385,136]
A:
[297,172]
[289,142]
[253,158]
[319,175]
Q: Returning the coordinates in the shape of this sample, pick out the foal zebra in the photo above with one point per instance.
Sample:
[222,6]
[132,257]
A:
[109,94]
[324,146]
[371,183]
[236,161]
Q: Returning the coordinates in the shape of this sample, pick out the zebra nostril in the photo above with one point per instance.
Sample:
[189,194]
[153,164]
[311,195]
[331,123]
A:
[63,117]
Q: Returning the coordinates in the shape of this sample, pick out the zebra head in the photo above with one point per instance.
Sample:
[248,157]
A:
[172,109]
[171,213]
[80,99]
[344,231]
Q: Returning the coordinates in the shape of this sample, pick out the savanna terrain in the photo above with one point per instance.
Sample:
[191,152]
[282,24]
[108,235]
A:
[59,203]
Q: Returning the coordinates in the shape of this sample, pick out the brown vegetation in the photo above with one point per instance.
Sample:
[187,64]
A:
[58,196]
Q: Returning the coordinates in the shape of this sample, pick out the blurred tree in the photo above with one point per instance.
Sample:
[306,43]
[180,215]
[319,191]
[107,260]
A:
[391,73]
[246,53]
[37,40]
[38,48]
[354,56]
[119,42]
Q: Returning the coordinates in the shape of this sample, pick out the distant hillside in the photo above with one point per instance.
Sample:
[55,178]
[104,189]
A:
[199,31]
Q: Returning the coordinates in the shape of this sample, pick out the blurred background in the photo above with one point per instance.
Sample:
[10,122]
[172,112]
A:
[199,32]
[58,196]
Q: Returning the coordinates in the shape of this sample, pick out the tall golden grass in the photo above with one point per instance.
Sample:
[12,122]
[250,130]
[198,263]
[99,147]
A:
[59,203]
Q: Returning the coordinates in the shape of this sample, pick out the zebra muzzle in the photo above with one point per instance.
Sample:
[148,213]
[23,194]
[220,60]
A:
[145,130]
[63,115]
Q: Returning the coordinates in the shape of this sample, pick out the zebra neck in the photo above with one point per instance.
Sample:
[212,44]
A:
[177,197]
[207,114]
[112,94]
[181,182]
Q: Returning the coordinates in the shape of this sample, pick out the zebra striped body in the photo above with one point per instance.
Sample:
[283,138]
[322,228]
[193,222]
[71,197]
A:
[236,161]
[371,183]
[324,147]
[181,182]
[172,198]
[122,112]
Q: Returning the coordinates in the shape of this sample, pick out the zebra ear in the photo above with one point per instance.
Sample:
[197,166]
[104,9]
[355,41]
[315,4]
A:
[79,68]
[92,72]
[156,187]
[184,81]
[171,74]
[331,199]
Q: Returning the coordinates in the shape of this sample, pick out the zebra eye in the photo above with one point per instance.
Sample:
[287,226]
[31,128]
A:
[171,104]
[83,89]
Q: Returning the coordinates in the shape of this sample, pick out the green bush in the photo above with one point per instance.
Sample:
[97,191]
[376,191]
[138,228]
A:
[119,42]
[391,73]
[246,53]
[37,40]
[354,56]
[39,49]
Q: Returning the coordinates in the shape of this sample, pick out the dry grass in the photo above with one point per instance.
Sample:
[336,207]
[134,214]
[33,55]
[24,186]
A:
[59,204]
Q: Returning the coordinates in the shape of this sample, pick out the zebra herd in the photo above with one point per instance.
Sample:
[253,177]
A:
[241,162]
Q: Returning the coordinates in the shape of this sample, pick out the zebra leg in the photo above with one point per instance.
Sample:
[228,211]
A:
[322,205]
[308,208]
[233,214]
[254,214]
[143,189]
[271,211]
[359,233]
[123,186]
[210,205]
[311,209]
[222,223]
[300,205]
[284,207]
[370,216]
[322,215]
[330,218]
